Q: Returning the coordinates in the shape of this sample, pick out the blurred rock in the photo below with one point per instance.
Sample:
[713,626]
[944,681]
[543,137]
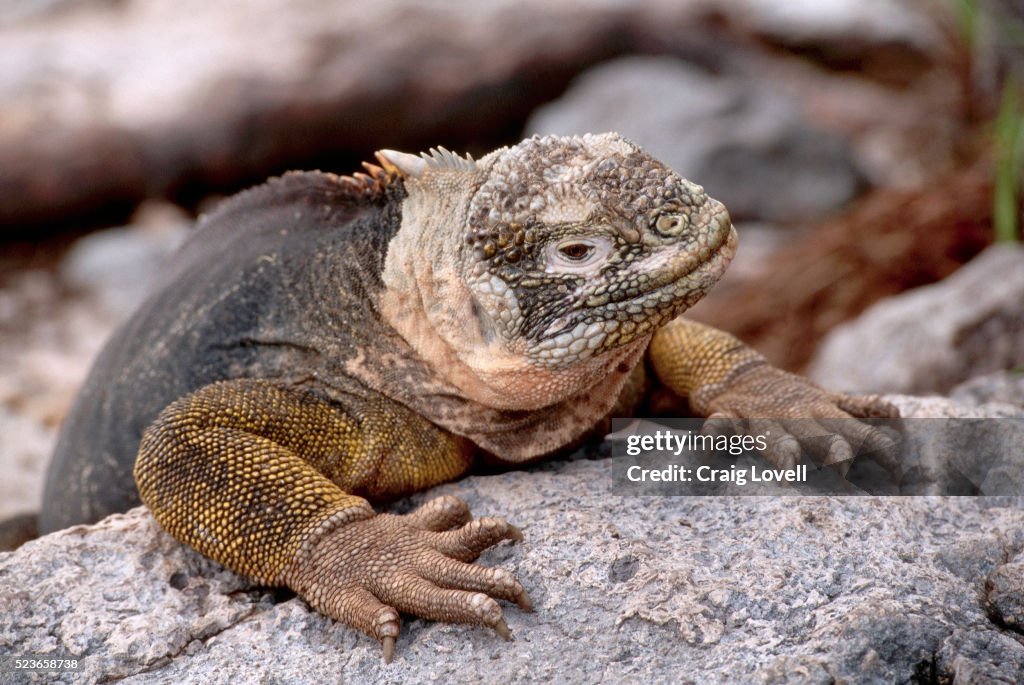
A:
[745,143]
[106,103]
[25,446]
[47,342]
[18,529]
[931,338]
[841,27]
[51,327]
[1006,387]
[627,589]
[116,266]
[13,11]
[937,407]
[892,240]
[902,134]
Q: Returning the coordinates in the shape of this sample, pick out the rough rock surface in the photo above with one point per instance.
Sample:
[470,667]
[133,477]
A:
[962,448]
[627,589]
[931,338]
[744,141]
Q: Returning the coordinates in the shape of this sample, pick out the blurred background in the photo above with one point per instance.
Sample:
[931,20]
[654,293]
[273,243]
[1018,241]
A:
[867,149]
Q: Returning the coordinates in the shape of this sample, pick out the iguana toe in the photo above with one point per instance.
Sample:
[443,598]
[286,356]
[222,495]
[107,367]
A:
[783,449]
[866,406]
[440,514]
[466,543]
[496,582]
[839,455]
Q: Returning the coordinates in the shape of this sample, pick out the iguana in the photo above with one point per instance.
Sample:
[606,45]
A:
[321,343]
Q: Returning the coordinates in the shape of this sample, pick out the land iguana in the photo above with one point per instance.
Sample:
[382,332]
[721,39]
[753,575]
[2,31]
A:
[321,343]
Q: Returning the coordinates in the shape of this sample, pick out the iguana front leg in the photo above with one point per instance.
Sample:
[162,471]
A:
[724,379]
[266,480]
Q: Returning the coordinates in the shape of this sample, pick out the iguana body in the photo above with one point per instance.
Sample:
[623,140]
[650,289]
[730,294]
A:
[324,342]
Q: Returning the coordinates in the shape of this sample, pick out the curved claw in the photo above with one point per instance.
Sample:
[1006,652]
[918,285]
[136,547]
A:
[501,628]
[839,452]
[844,468]
[389,648]
[784,452]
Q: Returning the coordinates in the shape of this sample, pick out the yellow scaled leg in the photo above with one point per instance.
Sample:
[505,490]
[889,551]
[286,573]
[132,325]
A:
[271,481]
[724,379]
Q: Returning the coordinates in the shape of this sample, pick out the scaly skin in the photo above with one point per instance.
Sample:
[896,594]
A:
[323,343]
[728,382]
[232,433]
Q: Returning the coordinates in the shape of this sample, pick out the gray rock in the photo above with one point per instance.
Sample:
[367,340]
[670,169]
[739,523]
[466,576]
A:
[842,25]
[116,267]
[935,407]
[24,448]
[12,11]
[931,338]
[743,141]
[1004,387]
[215,91]
[46,344]
[960,449]
[627,589]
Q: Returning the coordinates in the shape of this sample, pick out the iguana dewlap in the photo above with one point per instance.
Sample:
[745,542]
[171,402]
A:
[325,342]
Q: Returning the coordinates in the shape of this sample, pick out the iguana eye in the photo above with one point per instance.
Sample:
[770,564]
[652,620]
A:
[670,224]
[577,254]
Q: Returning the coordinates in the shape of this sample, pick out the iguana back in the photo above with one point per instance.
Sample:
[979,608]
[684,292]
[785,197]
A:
[239,299]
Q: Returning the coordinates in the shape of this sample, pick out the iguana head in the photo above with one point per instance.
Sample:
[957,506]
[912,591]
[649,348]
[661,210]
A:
[551,261]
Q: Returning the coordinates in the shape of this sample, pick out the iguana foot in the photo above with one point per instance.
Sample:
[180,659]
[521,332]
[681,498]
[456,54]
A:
[364,572]
[797,415]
